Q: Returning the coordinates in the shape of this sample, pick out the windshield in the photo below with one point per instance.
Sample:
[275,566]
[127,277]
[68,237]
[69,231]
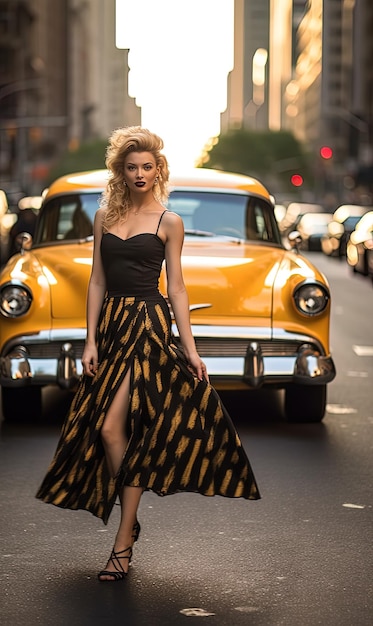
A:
[215,213]
[205,214]
[350,222]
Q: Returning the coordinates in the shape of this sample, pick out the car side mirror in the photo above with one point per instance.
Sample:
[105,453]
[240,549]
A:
[295,240]
[23,242]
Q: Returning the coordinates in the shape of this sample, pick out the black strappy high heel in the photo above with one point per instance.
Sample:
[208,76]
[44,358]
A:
[118,573]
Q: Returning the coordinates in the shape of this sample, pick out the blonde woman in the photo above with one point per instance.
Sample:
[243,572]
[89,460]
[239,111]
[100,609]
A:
[145,416]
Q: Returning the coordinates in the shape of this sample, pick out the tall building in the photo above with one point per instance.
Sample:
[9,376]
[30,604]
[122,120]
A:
[306,66]
[280,59]
[247,98]
[262,64]
[62,82]
[33,87]
[330,100]
[98,86]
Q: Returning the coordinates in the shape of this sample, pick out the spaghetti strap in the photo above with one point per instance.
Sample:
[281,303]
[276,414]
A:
[159,223]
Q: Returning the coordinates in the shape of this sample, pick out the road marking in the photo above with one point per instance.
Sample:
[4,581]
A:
[195,612]
[363,350]
[354,506]
[358,374]
[339,409]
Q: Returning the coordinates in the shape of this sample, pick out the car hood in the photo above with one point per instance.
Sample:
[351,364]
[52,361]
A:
[228,281]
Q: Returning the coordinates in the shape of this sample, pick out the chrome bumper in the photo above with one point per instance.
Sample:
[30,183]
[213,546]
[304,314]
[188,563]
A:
[235,357]
[47,358]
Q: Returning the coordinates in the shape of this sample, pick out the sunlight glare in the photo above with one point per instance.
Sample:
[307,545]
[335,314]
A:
[180,55]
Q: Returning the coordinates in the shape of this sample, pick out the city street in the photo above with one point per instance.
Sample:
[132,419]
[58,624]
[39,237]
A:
[300,556]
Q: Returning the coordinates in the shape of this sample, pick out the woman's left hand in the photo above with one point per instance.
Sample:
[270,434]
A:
[197,366]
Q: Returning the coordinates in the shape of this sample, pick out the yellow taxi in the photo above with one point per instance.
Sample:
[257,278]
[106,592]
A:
[259,310]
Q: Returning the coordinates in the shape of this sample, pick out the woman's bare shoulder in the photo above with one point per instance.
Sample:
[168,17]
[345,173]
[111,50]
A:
[99,221]
[100,213]
[99,216]
[172,219]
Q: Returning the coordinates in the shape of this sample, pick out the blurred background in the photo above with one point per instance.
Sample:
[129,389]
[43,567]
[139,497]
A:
[299,98]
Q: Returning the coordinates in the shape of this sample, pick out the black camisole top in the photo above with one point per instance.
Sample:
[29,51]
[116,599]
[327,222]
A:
[132,266]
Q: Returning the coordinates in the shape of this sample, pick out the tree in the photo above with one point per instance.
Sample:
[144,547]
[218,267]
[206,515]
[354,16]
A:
[273,157]
[89,156]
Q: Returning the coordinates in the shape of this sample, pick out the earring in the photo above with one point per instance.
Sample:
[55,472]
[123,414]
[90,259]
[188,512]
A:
[156,180]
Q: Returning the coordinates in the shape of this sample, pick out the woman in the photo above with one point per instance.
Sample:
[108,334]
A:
[145,416]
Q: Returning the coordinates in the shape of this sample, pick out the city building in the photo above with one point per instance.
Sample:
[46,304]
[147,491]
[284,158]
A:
[330,99]
[306,66]
[63,82]
[263,58]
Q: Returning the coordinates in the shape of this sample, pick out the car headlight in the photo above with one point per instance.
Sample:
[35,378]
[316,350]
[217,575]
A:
[311,298]
[15,300]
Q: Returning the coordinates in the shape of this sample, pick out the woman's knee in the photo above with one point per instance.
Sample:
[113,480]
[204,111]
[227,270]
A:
[111,431]
[114,425]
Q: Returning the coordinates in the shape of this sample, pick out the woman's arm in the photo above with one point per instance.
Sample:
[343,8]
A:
[96,292]
[177,293]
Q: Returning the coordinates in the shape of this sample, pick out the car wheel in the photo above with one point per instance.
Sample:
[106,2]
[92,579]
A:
[21,404]
[305,403]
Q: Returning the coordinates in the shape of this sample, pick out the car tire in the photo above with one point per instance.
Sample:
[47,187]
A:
[21,404]
[305,403]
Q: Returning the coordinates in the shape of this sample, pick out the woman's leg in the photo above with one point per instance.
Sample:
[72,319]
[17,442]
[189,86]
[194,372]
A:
[113,431]
[113,434]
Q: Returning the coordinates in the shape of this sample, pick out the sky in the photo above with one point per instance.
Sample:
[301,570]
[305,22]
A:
[180,54]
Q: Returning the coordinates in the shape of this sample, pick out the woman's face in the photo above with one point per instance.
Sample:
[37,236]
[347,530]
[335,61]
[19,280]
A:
[140,171]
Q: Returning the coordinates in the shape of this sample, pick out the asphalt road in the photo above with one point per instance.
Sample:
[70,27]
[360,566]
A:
[301,556]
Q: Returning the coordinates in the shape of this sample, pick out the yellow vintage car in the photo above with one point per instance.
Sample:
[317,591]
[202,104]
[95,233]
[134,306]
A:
[259,310]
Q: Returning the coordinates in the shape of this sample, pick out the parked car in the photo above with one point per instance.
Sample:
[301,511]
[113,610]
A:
[280,212]
[369,253]
[345,218]
[294,212]
[260,313]
[312,227]
[359,243]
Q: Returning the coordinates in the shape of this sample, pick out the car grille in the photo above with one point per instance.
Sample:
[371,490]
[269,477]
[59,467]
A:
[53,349]
[207,347]
[210,347]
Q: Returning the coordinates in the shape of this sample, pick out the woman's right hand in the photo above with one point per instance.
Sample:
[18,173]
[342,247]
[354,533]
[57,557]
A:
[90,359]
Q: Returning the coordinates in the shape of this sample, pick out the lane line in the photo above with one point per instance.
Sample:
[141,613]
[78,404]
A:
[339,409]
[357,374]
[363,350]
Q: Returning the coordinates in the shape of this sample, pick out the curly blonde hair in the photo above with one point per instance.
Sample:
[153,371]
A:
[116,199]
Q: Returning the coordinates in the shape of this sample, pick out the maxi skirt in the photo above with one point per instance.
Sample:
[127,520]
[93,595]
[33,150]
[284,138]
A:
[181,437]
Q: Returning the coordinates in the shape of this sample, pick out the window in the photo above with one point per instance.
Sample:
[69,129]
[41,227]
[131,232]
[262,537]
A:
[67,218]
[220,214]
[210,213]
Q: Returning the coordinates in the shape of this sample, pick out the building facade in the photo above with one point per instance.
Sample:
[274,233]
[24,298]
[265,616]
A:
[262,65]
[306,66]
[63,82]
[247,97]
[331,96]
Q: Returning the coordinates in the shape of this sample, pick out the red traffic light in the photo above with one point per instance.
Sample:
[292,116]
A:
[326,152]
[297,180]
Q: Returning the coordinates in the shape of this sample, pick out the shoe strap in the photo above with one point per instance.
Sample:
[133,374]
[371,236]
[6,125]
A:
[115,558]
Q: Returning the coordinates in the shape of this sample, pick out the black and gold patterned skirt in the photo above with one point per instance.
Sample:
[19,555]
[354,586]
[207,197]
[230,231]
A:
[181,438]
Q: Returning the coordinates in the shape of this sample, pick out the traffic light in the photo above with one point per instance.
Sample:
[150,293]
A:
[296,180]
[326,152]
